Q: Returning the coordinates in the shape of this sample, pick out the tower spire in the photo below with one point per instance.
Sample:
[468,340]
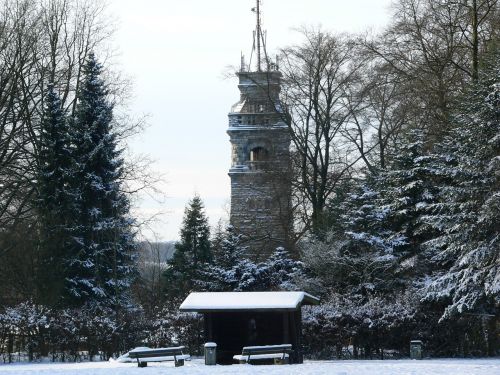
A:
[258,33]
[260,153]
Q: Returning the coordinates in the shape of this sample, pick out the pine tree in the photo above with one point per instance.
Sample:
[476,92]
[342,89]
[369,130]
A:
[191,253]
[56,199]
[101,267]
[410,194]
[230,269]
[468,247]
[385,221]
[228,260]
[284,271]
[228,248]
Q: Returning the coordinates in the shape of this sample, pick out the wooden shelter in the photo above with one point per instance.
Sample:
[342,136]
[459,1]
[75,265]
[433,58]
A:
[236,319]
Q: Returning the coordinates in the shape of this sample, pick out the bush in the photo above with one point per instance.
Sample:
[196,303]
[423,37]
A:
[30,332]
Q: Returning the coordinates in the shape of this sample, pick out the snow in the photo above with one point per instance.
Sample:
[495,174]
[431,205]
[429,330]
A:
[127,359]
[286,346]
[144,349]
[240,357]
[210,301]
[196,367]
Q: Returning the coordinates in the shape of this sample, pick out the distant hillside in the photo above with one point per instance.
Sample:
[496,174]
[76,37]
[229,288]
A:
[162,250]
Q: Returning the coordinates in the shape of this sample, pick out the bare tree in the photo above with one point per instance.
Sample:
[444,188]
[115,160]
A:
[152,262]
[316,76]
[42,42]
[479,25]
[435,47]
[379,110]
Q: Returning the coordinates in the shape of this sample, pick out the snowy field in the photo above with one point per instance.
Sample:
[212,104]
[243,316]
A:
[196,367]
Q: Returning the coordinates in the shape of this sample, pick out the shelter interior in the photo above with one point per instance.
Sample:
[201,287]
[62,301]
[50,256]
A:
[232,330]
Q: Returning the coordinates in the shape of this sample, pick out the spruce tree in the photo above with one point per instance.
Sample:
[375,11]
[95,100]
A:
[228,249]
[221,274]
[55,198]
[101,267]
[469,244]
[385,220]
[191,253]
[230,270]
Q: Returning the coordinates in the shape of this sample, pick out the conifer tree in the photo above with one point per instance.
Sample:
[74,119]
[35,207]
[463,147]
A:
[469,244]
[385,220]
[231,270]
[228,249]
[56,199]
[191,253]
[228,259]
[101,267]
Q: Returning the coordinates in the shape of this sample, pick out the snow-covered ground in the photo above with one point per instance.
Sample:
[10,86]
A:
[196,367]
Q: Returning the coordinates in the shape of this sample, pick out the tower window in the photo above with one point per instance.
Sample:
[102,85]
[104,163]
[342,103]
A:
[258,154]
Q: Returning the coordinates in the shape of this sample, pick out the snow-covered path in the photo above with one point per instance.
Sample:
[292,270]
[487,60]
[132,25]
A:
[196,367]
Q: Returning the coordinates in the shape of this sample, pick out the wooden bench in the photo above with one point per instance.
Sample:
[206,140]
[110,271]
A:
[144,356]
[279,353]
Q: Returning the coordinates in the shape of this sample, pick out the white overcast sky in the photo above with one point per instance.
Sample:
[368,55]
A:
[176,53]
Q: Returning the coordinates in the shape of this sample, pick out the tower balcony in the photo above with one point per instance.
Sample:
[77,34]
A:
[255,119]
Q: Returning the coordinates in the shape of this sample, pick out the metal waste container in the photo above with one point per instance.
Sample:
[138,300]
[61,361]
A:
[210,354]
[416,349]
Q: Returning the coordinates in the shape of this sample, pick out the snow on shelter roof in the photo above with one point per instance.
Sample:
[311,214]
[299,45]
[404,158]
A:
[227,301]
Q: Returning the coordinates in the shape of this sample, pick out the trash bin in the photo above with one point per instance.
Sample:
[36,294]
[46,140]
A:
[210,354]
[416,349]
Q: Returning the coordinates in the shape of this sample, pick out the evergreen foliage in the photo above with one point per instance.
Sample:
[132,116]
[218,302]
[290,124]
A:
[231,270]
[470,200]
[421,234]
[56,200]
[228,262]
[397,139]
[100,266]
[384,225]
[191,253]
[228,248]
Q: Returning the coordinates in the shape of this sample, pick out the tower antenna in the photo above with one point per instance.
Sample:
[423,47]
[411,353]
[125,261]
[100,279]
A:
[258,33]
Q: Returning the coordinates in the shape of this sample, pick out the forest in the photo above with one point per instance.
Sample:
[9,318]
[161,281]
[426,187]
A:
[395,175]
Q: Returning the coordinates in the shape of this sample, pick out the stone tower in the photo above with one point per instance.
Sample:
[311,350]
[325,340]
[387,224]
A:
[260,163]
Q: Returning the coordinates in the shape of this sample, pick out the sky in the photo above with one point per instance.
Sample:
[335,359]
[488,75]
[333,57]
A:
[177,54]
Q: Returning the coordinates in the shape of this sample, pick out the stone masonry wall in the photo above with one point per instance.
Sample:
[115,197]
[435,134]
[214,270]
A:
[260,190]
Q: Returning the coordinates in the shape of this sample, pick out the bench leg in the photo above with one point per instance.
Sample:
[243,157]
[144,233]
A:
[142,364]
[281,361]
[179,362]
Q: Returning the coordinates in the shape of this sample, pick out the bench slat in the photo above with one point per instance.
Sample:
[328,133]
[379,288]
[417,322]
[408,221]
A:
[144,355]
[160,352]
[280,346]
[240,357]
[276,352]
[165,358]
[269,349]
[264,351]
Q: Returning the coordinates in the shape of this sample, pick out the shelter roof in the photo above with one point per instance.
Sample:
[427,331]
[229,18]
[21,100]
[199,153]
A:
[246,301]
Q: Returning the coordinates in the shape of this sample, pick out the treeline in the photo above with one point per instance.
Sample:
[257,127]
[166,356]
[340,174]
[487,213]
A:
[47,104]
[396,187]
[67,237]
[395,144]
